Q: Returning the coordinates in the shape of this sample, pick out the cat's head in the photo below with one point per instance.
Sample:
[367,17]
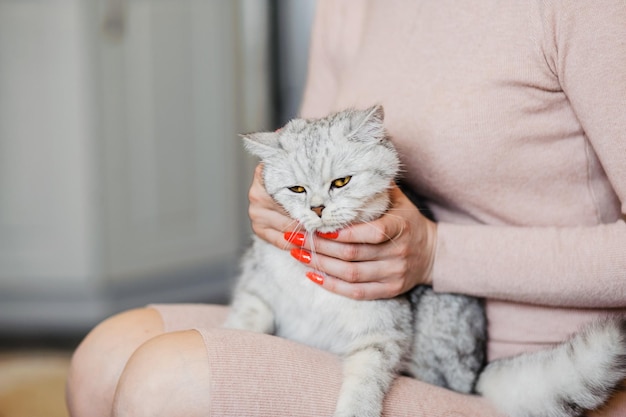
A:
[330,172]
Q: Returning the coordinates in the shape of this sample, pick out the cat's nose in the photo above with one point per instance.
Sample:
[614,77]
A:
[318,210]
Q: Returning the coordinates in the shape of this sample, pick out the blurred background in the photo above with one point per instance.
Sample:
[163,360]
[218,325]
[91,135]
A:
[122,179]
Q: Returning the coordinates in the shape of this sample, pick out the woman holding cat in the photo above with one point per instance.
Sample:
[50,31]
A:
[391,255]
[509,118]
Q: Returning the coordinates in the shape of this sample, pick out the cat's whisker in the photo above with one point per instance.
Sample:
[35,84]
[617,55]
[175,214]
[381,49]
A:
[389,238]
[314,258]
[375,211]
[389,213]
[298,229]
[290,224]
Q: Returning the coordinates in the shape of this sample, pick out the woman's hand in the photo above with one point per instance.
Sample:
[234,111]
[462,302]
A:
[380,259]
[269,220]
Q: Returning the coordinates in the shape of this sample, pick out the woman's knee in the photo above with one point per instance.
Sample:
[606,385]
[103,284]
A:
[100,358]
[168,376]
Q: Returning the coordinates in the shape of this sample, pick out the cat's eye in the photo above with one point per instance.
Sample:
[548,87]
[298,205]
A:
[340,182]
[297,189]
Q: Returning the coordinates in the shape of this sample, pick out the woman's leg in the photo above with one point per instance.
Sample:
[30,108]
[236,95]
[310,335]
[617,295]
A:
[260,375]
[226,373]
[100,359]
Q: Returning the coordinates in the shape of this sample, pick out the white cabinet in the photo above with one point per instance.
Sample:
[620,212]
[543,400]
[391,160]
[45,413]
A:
[122,179]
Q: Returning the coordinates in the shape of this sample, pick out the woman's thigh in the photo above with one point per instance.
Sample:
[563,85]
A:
[229,373]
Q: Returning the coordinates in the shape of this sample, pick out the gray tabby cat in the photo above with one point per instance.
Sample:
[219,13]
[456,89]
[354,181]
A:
[331,172]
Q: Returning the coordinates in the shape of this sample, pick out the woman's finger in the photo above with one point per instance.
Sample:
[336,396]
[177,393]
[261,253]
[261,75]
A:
[257,195]
[388,270]
[349,252]
[360,291]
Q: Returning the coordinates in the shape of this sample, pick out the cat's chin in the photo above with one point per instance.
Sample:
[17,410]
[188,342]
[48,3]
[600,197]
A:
[327,229]
[320,227]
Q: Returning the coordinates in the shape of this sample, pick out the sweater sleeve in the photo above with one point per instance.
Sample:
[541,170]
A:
[570,267]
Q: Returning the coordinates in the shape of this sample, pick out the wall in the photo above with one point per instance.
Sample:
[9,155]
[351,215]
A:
[122,180]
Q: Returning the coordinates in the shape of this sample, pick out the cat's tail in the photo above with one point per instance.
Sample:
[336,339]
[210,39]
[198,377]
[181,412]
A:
[565,381]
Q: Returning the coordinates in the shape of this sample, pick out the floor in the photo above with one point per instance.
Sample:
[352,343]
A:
[32,377]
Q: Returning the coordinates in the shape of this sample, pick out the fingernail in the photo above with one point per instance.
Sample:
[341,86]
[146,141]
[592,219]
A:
[328,235]
[315,277]
[295,238]
[301,255]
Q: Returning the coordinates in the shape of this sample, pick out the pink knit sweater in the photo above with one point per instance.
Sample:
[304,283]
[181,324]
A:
[510,117]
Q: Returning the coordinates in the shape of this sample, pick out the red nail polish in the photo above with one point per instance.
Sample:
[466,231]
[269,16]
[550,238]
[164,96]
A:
[315,277]
[302,255]
[295,238]
[328,235]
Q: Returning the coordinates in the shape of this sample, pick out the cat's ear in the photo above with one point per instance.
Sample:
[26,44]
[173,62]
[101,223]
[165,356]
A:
[262,144]
[367,125]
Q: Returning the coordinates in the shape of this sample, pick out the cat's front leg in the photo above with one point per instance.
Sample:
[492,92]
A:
[250,312]
[368,373]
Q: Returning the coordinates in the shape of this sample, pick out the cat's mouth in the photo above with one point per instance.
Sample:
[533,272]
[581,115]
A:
[329,224]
